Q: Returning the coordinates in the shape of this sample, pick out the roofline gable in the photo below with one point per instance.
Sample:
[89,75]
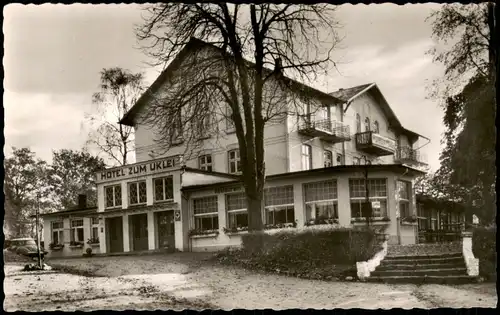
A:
[194,43]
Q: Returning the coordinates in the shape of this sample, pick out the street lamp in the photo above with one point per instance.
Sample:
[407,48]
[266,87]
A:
[37,231]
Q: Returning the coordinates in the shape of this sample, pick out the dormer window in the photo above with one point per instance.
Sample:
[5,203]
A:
[367,124]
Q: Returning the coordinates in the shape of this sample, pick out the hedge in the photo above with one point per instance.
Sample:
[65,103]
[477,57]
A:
[484,248]
[340,246]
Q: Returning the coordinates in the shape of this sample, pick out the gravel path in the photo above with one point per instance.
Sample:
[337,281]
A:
[180,281]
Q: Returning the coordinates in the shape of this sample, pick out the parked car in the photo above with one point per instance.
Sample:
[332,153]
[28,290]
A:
[25,247]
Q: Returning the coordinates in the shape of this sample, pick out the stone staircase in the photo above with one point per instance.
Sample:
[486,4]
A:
[423,263]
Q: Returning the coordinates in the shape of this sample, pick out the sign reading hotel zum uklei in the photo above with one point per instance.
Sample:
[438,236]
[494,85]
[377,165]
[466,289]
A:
[138,169]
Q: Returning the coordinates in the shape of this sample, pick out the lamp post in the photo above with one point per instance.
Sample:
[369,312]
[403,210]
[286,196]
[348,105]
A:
[37,231]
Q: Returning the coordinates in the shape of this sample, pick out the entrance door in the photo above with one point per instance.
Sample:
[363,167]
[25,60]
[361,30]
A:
[115,228]
[165,224]
[139,223]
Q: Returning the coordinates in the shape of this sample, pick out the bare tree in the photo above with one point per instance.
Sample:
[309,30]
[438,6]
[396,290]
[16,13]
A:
[215,88]
[119,91]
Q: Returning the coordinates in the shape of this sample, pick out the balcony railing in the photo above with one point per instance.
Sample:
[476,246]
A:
[328,130]
[409,155]
[373,143]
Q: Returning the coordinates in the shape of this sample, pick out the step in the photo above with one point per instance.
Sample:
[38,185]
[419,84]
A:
[414,266]
[421,272]
[451,260]
[428,256]
[421,280]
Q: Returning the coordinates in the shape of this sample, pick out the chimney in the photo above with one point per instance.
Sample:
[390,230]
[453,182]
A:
[82,201]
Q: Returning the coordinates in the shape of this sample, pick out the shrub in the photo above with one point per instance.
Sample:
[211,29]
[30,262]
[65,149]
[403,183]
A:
[316,247]
[484,248]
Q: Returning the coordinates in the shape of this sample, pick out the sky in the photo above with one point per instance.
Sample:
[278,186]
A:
[53,55]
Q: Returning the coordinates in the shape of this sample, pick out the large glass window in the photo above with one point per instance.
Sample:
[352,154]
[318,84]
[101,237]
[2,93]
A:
[236,207]
[377,191]
[206,217]
[137,193]
[279,206]
[57,232]
[234,161]
[404,189]
[306,157]
[76,234]
[164,188]
[321,202]
[113,196]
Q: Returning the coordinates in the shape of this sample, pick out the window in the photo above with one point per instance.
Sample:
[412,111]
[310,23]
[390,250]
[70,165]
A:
[95,230]
[356,161]
[57,232]
[137,193]
[205,162]
[358,123]
[177,128]
[76,234]
[340,159]
[328,158]
[279,207]
[367,124]
[204,126]
[229,119]
[306,157]
[206,217]
[404,198]
[236,207]
[234,161]
[377,191]
[113,196]
[321,201]
[164,188]
[376,128]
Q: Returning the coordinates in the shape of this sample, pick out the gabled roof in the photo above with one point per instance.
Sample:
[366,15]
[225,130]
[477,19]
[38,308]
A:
[348,95]
[194,43]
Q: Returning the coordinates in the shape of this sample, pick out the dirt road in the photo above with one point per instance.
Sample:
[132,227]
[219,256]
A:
[180,281]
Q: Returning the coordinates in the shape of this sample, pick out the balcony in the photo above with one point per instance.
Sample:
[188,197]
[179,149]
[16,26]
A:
[327,130]
[375,144]
[408,155]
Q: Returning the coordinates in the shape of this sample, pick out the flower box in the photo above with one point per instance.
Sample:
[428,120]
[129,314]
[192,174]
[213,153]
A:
[411,220]
[235,230]
[372,220]
[55,247]
[321,221]
[203,233]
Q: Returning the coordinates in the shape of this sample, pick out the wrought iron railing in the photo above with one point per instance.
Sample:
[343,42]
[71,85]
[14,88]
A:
[334,127]
[407,153]
[372,138]
[439,236]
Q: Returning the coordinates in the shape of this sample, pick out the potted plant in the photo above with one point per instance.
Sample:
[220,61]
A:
[235,229]
[197,232]
[76,244]
[55,246]
[93,241]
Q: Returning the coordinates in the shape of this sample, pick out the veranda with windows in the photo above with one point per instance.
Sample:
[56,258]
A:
[218,212]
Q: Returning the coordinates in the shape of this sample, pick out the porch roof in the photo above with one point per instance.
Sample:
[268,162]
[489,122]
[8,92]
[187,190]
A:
[396,168]
[82,211]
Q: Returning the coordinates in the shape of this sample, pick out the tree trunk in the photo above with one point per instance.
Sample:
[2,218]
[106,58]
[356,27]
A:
[254,213]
